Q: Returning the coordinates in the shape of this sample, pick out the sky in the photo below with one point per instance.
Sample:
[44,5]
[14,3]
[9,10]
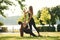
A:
[37,5]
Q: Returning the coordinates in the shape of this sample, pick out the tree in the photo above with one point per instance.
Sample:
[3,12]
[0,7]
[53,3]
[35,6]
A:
[2,7]
[38,14]
[1,24]
[45,16]
[58,11]
[55,14]
[20,2]
[21,18]
[35,19]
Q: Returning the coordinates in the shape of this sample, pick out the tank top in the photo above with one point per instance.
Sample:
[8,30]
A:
[29,14]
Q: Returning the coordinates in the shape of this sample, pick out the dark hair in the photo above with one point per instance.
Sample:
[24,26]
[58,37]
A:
[19,22]
[31,9]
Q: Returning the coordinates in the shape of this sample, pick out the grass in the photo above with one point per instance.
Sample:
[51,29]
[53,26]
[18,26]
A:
[15,36]
[29,38]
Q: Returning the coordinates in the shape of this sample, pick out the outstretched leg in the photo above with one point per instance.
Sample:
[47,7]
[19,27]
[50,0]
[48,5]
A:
[36,29]
[33,34]
[28,31]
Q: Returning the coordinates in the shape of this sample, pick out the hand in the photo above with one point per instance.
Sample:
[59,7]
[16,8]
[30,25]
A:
[24,24]
[24,10]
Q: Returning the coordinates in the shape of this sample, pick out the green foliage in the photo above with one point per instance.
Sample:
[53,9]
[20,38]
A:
[38,14]
[55,14]
[2,7]
[49,15]
[4,29]
[22,0]
[1,24]
[21,19]
[46,29]
[56,11]
[21,4]
[8,2]
[58,27]
[36,20]
[45,15]
[1,13]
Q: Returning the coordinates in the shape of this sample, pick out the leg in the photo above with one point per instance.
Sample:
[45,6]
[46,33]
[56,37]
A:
[28,31]
[21,32]
[36,28]
[33,34]
[30,27]
[33,23]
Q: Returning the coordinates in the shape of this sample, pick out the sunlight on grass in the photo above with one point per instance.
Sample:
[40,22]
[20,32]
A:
[16,36]
[29,38]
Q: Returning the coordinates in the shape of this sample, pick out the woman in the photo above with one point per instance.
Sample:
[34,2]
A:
[31,20]
[24,26]
[25,29]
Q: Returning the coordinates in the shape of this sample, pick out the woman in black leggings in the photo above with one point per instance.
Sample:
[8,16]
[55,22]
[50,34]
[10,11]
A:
[31,20]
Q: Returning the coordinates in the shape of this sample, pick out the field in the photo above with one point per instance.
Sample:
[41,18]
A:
[16,36]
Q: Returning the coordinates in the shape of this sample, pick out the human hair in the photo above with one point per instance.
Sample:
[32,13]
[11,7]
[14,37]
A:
[19,22]
[31,9]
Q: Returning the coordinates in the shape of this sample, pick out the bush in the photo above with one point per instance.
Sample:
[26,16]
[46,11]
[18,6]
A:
[4,29]
[58,27]
[1,24]
[46,29]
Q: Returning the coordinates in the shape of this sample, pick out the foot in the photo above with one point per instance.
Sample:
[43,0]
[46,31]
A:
[39,35]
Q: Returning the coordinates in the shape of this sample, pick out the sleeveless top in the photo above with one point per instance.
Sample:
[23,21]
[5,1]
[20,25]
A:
[27,16]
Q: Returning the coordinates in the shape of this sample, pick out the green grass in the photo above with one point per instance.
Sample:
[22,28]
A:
[27,37]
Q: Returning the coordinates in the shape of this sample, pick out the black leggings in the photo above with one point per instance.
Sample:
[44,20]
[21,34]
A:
[32,23]
[28,31]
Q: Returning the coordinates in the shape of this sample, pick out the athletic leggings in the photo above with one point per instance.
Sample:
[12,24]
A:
[32,23]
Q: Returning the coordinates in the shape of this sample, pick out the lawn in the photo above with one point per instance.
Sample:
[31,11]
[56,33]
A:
[45,36]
